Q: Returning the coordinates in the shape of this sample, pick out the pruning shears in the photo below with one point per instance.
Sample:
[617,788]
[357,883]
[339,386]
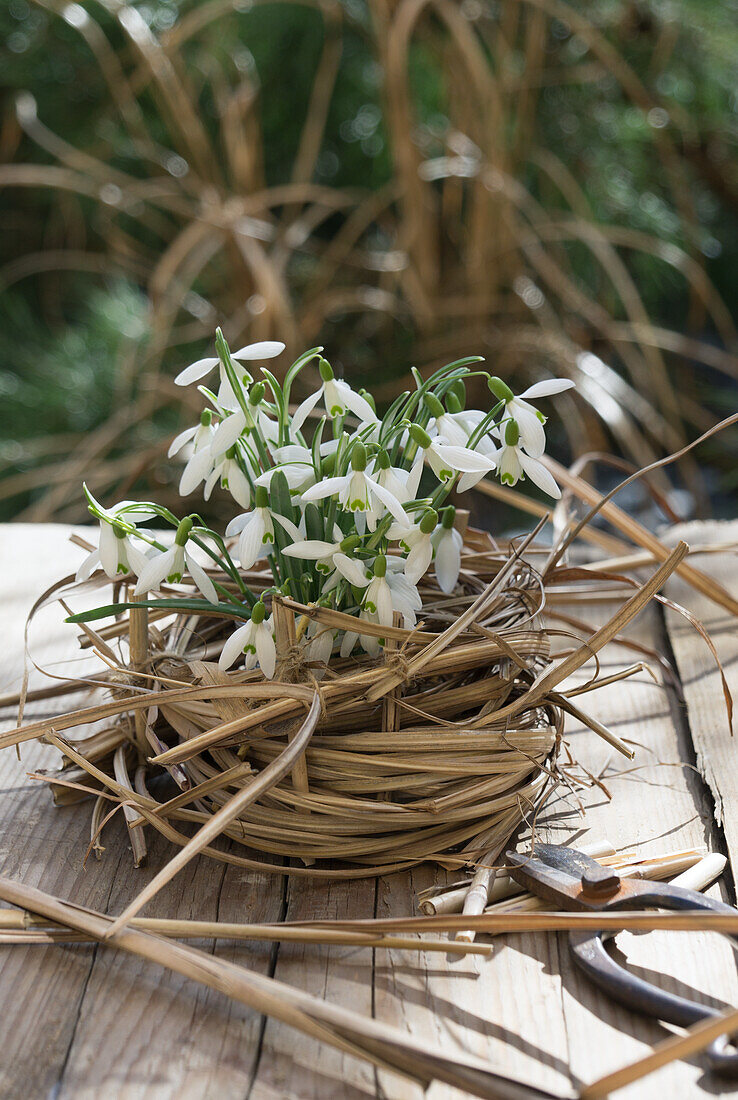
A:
[572,880]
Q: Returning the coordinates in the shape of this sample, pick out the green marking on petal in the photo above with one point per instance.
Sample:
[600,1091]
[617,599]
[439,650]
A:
[249,648]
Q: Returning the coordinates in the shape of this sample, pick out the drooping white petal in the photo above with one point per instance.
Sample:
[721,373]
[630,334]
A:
[448,560]
[328,487]
[462,459]
[539,475]
[197,469]
[349,641]
[238,486]
[418,560]
[310,550]
[351,569]
[383,599]
[266,650]
[157,570]
[227,432]
[532,435]
[179,440]
[413,478]
[235,645]
[355,403]
[390,502]
[303,410]
[108,550]
[264,349]
[547,387]
[237,524]
[196,371]
[251,544]
[292,530]
[201,579]
[88,567]
[137,559]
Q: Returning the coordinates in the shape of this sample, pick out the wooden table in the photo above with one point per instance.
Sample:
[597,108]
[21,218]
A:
[87,1022]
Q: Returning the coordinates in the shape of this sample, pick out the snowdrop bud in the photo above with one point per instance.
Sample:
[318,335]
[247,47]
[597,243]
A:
[206,418]
[383,460]
[349,544]
[428,522]
[420,436]
[358,458]
[458,391]
[257,394]
[261,497]
[258,613]
[183,531]
[500,389]
[448,517]
[452,403]
[369,399]
[326,370]
[380,566]
[433,405]
[512,433]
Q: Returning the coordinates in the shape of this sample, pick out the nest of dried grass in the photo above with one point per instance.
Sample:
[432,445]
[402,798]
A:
[438,750]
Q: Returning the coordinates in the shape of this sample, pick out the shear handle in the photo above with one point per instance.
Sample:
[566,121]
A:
[590,955]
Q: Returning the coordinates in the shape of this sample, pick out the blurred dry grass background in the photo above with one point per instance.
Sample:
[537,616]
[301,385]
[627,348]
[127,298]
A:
[390,178]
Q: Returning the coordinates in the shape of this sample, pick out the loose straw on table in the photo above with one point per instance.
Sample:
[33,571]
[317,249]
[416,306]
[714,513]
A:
[349,1031]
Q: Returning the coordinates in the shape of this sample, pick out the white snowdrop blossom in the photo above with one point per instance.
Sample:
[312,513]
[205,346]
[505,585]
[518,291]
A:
[415,539]
[116,553]
[444,460]
[330,507]
[256,530]
[447,545]
[256,640]
[265,349]
[515,464]
[228,471]
[356,491]
[529,420]
[172,564]
[338,398]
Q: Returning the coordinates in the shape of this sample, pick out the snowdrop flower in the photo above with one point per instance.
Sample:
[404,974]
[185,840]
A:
[256,639]
[232,427]
[385,593]
[447,544]
[323,553]
[357,491]
[264,349]
[296,463]
[200,463]
[231,477]
[529,420]
[171,565]
[391,478]
[319,646]
[451,428]
[257,530]
[515,464]
[416,540]
[115,552]
[445,460]
[338,398]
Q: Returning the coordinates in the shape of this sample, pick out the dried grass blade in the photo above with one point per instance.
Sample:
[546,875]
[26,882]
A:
[340,1027]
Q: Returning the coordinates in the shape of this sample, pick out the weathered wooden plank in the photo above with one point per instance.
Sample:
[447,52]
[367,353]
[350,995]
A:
[527,1009]
[716,750]
[292,1065]
[149,1033]
[657,804]
[88,1022]
[39,844]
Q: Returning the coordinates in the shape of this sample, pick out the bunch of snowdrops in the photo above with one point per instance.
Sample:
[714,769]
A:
[332,496]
